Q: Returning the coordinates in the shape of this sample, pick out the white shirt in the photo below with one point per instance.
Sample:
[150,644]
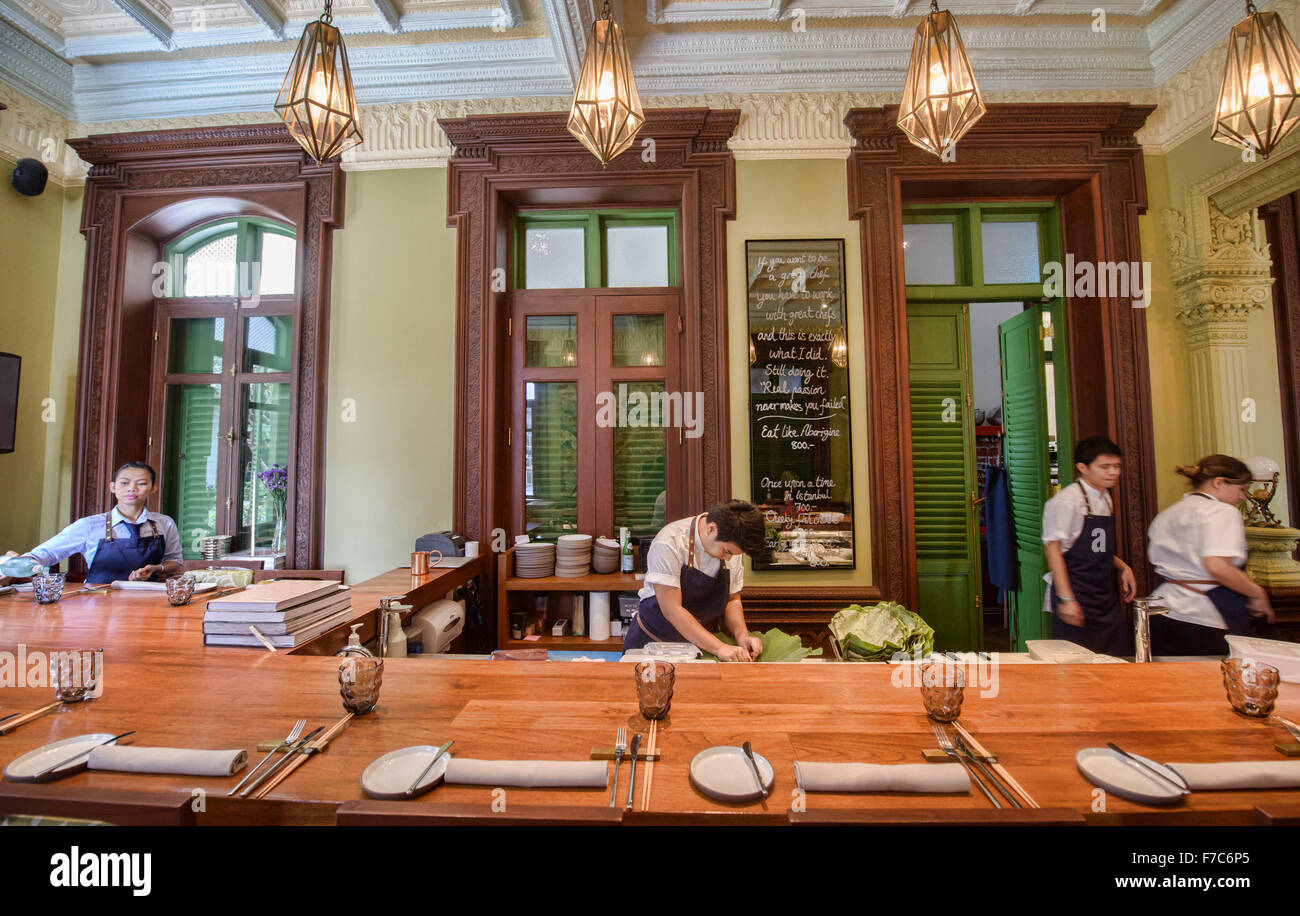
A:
[1063,513]
[83,537]
[1063,521]
[1190,529]
[669,552]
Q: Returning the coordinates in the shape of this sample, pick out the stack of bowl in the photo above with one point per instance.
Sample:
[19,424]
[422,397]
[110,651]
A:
[534,560]
[605,556]
[572,555]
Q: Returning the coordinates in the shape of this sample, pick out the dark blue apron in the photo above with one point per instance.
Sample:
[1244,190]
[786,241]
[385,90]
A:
[704,596]
[1092,577]
[116,558]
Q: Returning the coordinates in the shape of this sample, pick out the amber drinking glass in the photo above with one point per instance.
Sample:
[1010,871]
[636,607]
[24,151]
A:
[76,674]
[654,687]
[359,680]
[48,588]
[1251,686]
[180,589]
[942,688]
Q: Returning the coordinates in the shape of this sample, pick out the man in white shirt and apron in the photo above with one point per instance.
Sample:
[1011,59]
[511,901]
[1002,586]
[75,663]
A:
[1079,541]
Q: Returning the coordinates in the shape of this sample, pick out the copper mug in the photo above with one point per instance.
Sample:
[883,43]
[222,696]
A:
[419,563]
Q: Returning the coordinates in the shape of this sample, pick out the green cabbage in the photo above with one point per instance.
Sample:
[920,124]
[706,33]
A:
[876,634]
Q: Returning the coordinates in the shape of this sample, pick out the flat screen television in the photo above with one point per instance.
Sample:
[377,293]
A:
[9,363]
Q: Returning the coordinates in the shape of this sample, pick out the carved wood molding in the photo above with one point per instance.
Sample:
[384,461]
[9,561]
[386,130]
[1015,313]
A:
[1282,223]
[148,172]
[503,160]
[1034,150]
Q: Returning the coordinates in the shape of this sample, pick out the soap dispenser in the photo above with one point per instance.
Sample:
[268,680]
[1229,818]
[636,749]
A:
[354,647]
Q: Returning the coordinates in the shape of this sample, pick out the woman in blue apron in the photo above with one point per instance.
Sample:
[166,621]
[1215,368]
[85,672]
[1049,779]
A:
[683,602]
[1198,547]
[127,542]
[1085,602]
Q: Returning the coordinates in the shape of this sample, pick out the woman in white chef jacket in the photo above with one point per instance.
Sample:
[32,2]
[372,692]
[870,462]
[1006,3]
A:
[1198,547]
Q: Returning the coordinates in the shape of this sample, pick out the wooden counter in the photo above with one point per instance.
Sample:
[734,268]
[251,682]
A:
[162,682]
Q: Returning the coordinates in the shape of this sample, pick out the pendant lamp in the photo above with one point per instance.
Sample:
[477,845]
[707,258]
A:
[316,101]
[1261,82]
[606,111]
[941,100]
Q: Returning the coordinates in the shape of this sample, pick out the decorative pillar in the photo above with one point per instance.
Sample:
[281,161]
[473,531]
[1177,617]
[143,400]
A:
[1220,269]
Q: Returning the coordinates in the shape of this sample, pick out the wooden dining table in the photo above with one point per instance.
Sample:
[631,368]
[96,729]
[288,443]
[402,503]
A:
[161,682]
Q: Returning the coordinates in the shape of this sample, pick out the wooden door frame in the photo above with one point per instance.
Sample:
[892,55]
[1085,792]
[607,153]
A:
[1082,155]
[504,162]
[142,190]
[1282,227]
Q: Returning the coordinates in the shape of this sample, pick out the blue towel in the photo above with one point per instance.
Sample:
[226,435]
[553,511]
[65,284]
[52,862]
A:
[1004,570]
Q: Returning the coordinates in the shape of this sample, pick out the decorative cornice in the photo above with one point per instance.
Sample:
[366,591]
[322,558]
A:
[35,71]
[1265,181]
[30,130]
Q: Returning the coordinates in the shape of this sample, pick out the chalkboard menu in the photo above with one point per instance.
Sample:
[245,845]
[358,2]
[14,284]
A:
[800,455]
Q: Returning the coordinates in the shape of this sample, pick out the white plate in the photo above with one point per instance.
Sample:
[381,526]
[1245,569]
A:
[1116,773]
[392,774]
[24,767]
[724,773]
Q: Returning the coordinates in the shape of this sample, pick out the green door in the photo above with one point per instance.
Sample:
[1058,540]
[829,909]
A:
[1024,419]
[943,474]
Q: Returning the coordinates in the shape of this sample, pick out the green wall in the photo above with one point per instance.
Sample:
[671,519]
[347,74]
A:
[388,460]
[31,239]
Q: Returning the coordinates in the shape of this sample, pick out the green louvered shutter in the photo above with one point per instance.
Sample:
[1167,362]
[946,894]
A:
[943,474]
[1024,417]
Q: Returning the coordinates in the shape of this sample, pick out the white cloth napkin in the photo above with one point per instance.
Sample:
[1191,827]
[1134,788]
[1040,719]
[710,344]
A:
[174,760]
[1240,774]
[879,777]
[527,773]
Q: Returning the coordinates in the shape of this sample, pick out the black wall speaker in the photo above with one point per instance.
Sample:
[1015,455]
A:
[30,176]
[9,363]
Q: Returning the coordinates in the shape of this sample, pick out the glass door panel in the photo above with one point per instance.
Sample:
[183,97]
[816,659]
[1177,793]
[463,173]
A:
[550,458]
[191,471]
[640,460]
[265,430]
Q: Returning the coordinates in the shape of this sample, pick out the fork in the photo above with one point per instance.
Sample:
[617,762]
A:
[620,748]
[963,749]
[289,739]
[946,744]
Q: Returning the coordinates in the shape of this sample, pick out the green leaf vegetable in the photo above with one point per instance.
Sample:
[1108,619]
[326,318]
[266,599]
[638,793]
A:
[876,634]
[777,646]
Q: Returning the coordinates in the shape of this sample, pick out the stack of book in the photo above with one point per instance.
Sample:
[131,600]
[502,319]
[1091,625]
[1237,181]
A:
[287,613]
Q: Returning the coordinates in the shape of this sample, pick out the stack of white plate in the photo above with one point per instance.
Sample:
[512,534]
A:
[534,560]
[573,555]
[605,556]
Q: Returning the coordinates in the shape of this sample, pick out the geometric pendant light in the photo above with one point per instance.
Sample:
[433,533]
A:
[941,100]
[316,101]
[606,111]
[1261,84]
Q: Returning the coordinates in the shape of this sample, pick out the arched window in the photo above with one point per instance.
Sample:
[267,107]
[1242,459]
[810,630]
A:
[225,341]
[238,257]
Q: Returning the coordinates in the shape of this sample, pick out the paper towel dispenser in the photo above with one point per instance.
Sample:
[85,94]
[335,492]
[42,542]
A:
[438,624]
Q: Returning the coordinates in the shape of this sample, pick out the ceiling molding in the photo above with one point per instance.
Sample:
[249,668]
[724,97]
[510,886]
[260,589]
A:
[391,15]
[43,32]
[269,14]
[149,20]
[35,71]
[30,130]
[568,23]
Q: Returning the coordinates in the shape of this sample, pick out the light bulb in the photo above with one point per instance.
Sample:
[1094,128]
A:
[318,88]
[1257,86]
[938,80]
[605,91]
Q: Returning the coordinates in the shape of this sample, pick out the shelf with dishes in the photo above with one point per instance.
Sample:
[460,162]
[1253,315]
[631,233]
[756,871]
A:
[544,600]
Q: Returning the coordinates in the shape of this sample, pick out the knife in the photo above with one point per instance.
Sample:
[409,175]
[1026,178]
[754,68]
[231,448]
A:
[749,752]
[997,784]
[436,757]
[40,777]
[282,761]
[631,783]
[1148,767]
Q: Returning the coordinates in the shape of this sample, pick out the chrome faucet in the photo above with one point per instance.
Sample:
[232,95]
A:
[1144,609]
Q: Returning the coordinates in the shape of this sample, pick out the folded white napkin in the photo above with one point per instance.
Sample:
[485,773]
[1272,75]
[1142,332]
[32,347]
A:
[174,760]
[878,777]
[528,773]
[1240,774]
